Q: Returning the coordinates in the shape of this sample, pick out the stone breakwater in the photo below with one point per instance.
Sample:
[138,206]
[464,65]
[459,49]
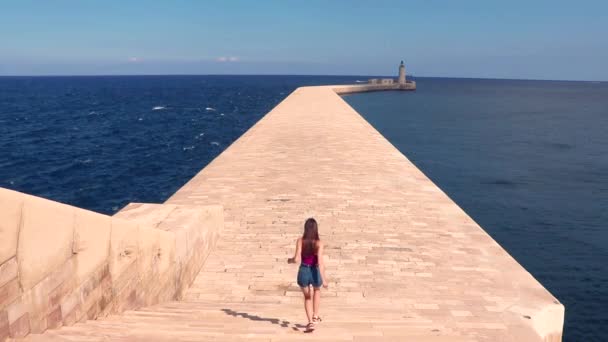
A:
[404,262]
[361,88]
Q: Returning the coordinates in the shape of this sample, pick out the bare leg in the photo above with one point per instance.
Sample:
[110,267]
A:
[307,302]
[316,301]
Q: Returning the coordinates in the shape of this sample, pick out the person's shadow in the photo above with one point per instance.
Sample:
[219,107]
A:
[282,323]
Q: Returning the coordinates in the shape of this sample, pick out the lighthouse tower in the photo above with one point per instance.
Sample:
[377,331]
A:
[402,73]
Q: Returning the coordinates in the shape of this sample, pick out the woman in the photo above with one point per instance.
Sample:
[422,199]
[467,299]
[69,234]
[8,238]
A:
[309,250]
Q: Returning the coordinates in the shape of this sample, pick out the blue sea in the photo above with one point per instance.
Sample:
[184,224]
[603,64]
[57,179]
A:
[528,160]
[102,142]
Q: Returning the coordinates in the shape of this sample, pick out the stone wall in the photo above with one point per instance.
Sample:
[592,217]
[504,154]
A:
[362,88]
[60,264]
[193,244]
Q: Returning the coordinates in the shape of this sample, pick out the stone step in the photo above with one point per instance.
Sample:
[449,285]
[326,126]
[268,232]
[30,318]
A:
[215,321]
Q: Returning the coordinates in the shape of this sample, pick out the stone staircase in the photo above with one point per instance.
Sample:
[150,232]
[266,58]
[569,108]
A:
[213,321]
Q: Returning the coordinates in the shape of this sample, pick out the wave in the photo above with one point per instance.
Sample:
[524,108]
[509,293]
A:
[158,108]
[188,148]
[215,143]
[210,109]
[359,81]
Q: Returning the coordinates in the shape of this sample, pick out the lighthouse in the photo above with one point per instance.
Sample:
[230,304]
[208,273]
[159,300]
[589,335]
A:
[401,73]
[392,84]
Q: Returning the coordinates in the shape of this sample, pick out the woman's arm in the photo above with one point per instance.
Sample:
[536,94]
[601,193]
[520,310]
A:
[322,264]
[297,255]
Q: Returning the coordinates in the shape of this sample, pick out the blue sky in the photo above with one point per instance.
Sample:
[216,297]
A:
[533,39]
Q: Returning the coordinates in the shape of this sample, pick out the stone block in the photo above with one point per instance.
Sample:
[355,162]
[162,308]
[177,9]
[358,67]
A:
[9,292]
[37,324]
[125,287]
[97,292]
[46,296]
[16,311]
[91,242]
[213,222]
[106,295]
[92,298]
[123,246]
[45,239]
[4,326]
[54,318]
[195,231]
[8,271]
[166,256]
[547,321]
[71,317]
[11,203]
[20,327]
[93,311]
[154,261]
[182,246]
[147,214]
[93,281]
[18,319]
[126,290]
[149,251]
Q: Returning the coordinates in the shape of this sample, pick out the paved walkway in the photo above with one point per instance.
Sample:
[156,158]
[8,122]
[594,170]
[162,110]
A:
[394,239]
[404,262]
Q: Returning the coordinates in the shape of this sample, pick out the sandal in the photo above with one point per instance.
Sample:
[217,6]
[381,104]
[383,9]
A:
[316,319]
[310,326]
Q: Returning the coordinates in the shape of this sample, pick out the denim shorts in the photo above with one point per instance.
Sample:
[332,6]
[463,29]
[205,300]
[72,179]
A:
[309,275]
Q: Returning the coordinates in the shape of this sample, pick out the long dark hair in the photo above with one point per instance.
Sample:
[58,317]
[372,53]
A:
[310,238]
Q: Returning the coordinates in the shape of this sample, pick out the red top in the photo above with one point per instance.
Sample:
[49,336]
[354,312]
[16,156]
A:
[311,259]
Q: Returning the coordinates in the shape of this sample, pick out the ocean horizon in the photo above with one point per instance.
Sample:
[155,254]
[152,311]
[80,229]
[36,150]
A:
[305,75]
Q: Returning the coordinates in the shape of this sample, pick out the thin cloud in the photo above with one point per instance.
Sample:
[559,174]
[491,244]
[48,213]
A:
[223,59]
[134,59]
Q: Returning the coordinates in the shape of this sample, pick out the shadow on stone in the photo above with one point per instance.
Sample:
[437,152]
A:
[276,321]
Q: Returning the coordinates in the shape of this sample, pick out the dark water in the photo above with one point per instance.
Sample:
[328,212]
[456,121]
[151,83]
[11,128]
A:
[102,142]
[528,160]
